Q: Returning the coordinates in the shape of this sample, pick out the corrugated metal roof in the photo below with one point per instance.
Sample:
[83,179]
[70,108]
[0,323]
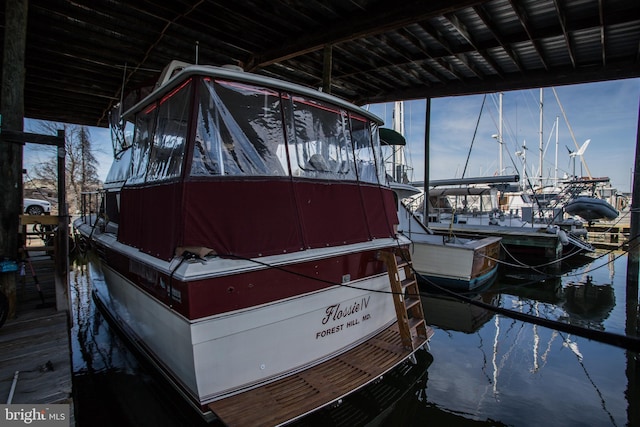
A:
[79,52]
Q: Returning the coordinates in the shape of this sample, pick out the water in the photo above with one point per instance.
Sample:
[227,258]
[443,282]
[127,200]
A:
[481,368]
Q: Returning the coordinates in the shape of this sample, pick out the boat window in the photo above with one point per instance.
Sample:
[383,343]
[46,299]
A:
[239,131]
[319,140]
[145,122]
[120,169]
[367,157]
[129,133]
[167,152]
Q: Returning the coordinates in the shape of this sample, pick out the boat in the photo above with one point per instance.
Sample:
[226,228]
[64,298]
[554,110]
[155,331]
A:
[591,208]
[510,214]
[449,260]
[245,243]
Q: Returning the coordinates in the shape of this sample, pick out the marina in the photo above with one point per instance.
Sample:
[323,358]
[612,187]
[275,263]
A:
[208,220]
[478,368]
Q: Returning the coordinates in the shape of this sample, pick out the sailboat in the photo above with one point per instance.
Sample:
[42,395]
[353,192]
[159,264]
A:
[541,207]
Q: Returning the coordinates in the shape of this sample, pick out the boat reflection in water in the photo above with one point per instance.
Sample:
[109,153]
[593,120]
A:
[588,304]
[449,313]
[490,369]
[112,385]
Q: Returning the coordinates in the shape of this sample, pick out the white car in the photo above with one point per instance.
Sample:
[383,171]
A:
[36,207]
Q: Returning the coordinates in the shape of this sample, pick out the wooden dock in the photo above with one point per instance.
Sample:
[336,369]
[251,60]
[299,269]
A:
[35,350]
[610,234]
[528,240]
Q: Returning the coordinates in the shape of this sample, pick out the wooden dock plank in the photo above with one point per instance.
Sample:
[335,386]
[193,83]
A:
[36,343]
[311,389]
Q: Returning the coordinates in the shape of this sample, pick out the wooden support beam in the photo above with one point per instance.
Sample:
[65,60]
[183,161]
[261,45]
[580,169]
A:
[12,107]
[19,137]
[327,67]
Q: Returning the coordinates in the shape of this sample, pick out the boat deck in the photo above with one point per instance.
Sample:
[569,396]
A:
[511,236]
[293,397]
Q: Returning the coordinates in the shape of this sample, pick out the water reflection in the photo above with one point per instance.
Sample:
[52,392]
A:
[112,386]
[490,367]
[588,304]
[450,313]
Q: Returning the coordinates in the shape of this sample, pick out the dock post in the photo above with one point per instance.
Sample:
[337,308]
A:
[12,104]
[632,326]
[634,246]
[62,236]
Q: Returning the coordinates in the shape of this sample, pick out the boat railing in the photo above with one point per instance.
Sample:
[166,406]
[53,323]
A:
[91,207]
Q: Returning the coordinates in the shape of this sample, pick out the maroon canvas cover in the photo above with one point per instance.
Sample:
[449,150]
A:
[253,217]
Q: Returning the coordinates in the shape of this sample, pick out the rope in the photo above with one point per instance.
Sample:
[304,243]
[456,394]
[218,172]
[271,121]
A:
[617,340]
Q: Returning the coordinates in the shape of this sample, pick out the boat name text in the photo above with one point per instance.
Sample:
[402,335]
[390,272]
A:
[335,312]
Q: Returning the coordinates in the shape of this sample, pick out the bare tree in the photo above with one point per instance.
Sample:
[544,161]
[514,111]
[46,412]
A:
[80,163]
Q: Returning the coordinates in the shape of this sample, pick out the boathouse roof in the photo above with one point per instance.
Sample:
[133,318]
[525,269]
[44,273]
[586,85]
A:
[80,53]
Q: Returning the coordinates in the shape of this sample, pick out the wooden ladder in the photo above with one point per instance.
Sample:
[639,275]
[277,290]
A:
[406,296]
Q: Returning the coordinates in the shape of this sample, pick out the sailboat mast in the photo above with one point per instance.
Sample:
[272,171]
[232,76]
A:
[500,134]
[541,143]
[555,173]
[398,126]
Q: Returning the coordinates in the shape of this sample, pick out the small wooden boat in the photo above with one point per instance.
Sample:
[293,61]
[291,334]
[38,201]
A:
[447,260]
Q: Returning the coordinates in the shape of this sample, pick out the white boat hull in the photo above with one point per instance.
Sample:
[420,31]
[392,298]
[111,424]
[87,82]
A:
[214,357]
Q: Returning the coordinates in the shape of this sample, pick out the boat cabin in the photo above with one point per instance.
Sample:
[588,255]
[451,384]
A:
[245,165]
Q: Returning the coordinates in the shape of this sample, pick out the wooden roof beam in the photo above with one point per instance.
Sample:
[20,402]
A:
[387,16]
[562,18]
[521,14]
[442,41]
[491,26]
[354,73]
[408,59]
[602,38]
[375,59]
[462,30]
[418,44]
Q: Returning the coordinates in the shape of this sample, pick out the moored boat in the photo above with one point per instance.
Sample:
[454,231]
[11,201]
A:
[245,242]
[591,208]
[447,259]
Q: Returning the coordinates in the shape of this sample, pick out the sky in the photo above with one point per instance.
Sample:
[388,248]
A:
[606,113]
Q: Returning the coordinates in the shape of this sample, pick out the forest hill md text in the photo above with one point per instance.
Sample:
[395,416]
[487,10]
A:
[336,312]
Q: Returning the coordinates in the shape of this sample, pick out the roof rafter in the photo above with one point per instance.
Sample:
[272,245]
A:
[491,26]
[354,27]
[462,30]
[602,39]
[563,24]
[521,14]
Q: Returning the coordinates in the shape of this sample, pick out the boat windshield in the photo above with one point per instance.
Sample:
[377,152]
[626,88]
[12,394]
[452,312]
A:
[247,130]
